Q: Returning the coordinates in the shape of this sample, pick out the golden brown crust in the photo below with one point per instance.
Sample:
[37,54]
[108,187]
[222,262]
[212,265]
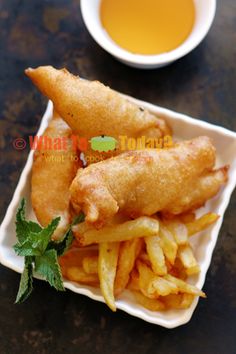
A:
[92,109]
[204,188]
[52,174]
[147,181]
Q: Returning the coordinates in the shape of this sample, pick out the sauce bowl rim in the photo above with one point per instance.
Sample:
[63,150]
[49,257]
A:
[104,40]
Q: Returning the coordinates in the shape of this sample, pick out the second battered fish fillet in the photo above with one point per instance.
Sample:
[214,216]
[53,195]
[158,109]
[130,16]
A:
[144,182]
[52,173]
[92,109]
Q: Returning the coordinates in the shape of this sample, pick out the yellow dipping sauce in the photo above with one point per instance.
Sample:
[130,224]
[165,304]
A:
[148,26]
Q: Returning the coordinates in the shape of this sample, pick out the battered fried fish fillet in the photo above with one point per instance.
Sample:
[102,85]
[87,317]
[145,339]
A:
[144,182]
[52,174]
[92,109]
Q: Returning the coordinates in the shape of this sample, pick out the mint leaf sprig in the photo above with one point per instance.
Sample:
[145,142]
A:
[40,252]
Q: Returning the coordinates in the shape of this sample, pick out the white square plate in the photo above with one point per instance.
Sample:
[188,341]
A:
[184,127]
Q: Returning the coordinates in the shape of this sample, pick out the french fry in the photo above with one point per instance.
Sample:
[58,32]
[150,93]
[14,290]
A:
[168,244]
[187,217]
[188,260]
[90,264]
[183,287]
[129,250]
[78,274]
[156,255]
[107,264]
[158,282]
[74,257]
[146,277]
[179,230]
[202,223]
[163,287]
[177,270]
[150,304]
[140,227]
[144,258]
[84,226]
[187,300]
[134,280]
[151,285]
[179,301]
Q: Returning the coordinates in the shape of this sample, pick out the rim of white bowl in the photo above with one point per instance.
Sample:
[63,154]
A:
[114,49]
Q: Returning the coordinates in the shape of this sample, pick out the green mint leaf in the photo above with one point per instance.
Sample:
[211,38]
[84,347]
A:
[64,244]
[26,249]
[46,234]
[47,266]
[23,227]
[33,227]
[78,219]
[26,282]
[35,244]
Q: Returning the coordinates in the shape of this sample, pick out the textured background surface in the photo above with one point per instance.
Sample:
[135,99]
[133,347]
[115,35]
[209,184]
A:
[203,85]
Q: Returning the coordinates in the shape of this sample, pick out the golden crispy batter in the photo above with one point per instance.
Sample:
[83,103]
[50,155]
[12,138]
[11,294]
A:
[147,181]
[92,109]
[52,174]
[204,188]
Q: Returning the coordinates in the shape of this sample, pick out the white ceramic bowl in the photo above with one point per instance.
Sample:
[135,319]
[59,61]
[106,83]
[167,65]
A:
[205,12]
[203,244]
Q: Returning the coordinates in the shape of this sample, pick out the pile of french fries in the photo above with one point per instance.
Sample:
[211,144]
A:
[150,256]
